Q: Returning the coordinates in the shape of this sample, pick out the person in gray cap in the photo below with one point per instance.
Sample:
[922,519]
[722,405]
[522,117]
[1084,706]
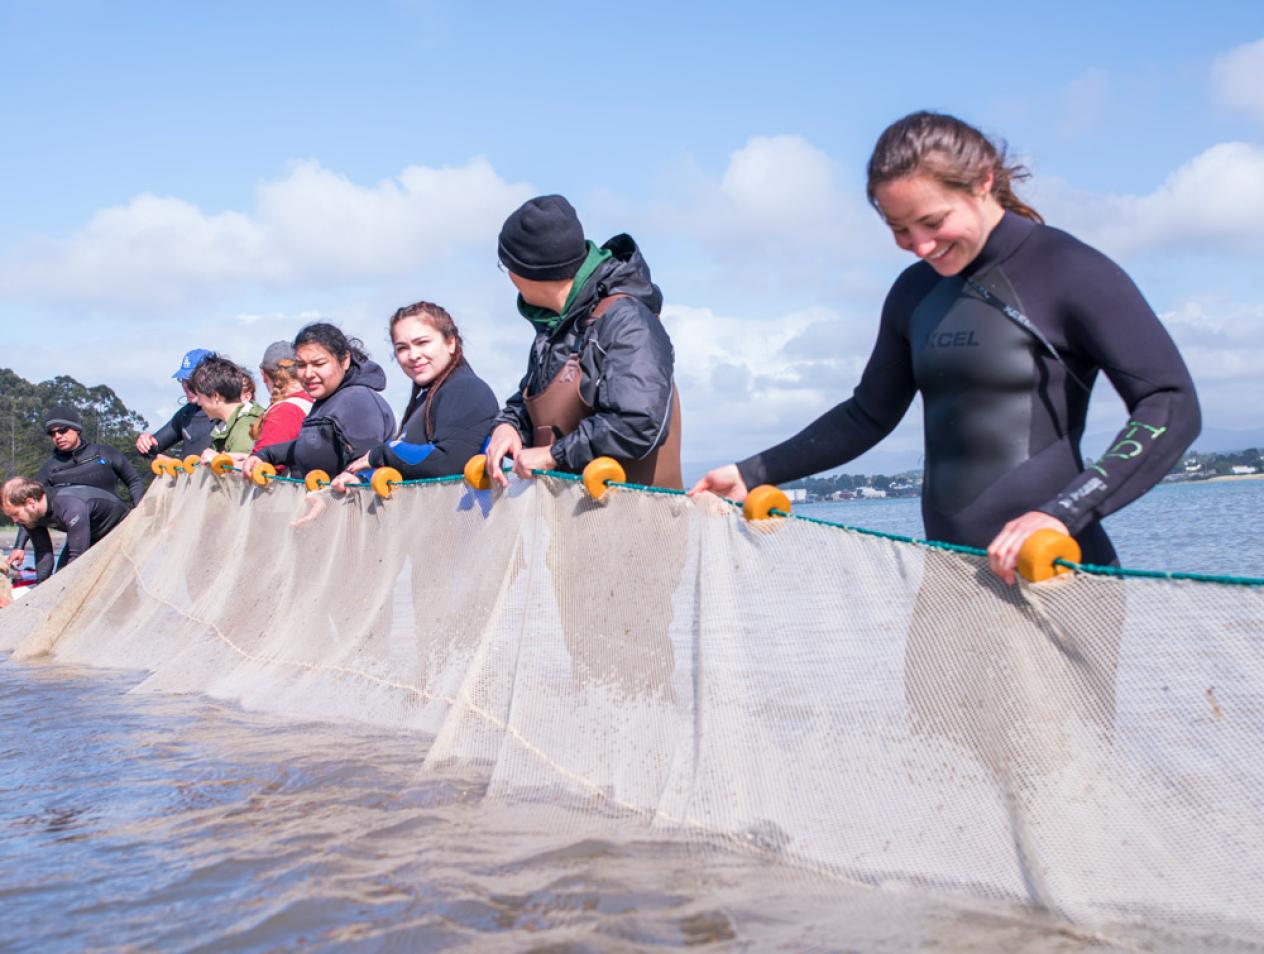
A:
[76,463]
[599,379]
[283,419]
[189,426]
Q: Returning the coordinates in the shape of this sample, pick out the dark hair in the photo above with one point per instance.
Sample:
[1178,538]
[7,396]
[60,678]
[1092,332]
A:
[950,151]
[438,319]
[218,376]
[331,338]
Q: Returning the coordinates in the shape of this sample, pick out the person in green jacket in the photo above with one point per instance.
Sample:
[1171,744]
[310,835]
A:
[224,391]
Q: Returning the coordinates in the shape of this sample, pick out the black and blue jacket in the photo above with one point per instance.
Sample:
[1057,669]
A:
[461,415]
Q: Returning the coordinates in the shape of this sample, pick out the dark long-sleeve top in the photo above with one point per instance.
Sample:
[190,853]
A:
[85,514]
[1003,417]
[88,465]
[461,415]
[341,427]
[189,427]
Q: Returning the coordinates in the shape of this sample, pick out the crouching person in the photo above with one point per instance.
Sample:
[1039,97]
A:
[599,379]
[85,514]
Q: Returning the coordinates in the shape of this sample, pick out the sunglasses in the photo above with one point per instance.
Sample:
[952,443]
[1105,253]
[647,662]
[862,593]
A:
[58,431]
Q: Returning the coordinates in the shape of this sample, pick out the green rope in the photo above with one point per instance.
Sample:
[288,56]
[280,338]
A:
[649,489]
[1089,568]
[1095,570]
[881,534]
[450,479]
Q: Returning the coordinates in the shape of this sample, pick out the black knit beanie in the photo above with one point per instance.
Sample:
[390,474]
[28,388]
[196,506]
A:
[543,240]
[63,415]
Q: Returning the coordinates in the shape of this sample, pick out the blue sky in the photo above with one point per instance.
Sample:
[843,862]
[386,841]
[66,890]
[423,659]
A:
[179,175]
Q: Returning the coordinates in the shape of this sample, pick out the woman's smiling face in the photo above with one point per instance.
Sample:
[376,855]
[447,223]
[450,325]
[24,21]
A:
[943,226]
[421,350]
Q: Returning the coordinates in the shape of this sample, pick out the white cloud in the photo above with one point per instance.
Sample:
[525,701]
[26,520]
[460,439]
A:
[777,200]
[1237,78]
[748,383]
[1215,199]
[1083,102]
[1220,340]
[310,228]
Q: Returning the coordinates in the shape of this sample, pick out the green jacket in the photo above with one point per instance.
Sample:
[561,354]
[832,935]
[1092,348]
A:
[233,436]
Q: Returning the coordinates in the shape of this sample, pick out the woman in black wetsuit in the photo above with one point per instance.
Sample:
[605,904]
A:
[1002,326]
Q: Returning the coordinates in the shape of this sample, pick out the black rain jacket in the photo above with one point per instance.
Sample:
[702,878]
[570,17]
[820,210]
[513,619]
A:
[627,362]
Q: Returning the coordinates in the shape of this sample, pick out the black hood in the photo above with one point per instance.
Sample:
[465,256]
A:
[625,272]
[367,373]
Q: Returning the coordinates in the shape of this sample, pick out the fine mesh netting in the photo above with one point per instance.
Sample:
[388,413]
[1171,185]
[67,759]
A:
[877,711]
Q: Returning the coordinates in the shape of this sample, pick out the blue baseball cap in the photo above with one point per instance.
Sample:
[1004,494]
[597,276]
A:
[191,361]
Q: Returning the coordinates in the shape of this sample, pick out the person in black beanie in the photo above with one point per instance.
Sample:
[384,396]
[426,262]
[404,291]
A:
[76,463]
[599,379]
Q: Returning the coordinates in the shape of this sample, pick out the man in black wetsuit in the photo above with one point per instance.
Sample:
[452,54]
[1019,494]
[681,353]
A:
[77,462]
[189,427]
[85,514]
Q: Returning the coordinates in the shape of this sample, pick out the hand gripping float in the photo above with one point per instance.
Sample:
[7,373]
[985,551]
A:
[599,473]
[763,500]
[1036,559]
[262,473]
[221,464]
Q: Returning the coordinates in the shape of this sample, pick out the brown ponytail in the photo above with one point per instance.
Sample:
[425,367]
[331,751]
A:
[950,151]
[438,319]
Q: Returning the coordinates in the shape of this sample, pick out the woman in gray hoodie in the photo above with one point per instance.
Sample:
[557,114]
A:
[349,415]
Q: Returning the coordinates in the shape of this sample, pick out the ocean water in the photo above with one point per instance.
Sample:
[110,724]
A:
[1211,527]
[152,822]
[173,823]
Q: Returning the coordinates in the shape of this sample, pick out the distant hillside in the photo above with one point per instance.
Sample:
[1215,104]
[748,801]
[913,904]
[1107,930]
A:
[23,444]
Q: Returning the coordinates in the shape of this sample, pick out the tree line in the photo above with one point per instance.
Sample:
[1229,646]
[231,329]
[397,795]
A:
[24,445]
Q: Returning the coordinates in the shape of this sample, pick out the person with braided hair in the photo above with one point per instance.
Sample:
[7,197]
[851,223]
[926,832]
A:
[450,409]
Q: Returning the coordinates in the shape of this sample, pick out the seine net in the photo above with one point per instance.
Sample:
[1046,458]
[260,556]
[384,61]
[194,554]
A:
[877,711]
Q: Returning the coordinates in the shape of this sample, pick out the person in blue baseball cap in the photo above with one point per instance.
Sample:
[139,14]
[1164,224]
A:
[189,426]
[191,360]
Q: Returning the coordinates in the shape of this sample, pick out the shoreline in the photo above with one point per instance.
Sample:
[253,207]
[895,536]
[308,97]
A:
[1222,477]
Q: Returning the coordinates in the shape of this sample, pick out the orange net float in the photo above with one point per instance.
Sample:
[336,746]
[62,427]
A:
[764,499]
[157,468]
[221,464]
[178,467]
[191,462]
[382,479]
[1041,549]
[599,473]
[262,472]
[316,479]
[476,474]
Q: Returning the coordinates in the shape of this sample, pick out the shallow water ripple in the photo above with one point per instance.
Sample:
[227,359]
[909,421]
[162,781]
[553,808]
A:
[143,822]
